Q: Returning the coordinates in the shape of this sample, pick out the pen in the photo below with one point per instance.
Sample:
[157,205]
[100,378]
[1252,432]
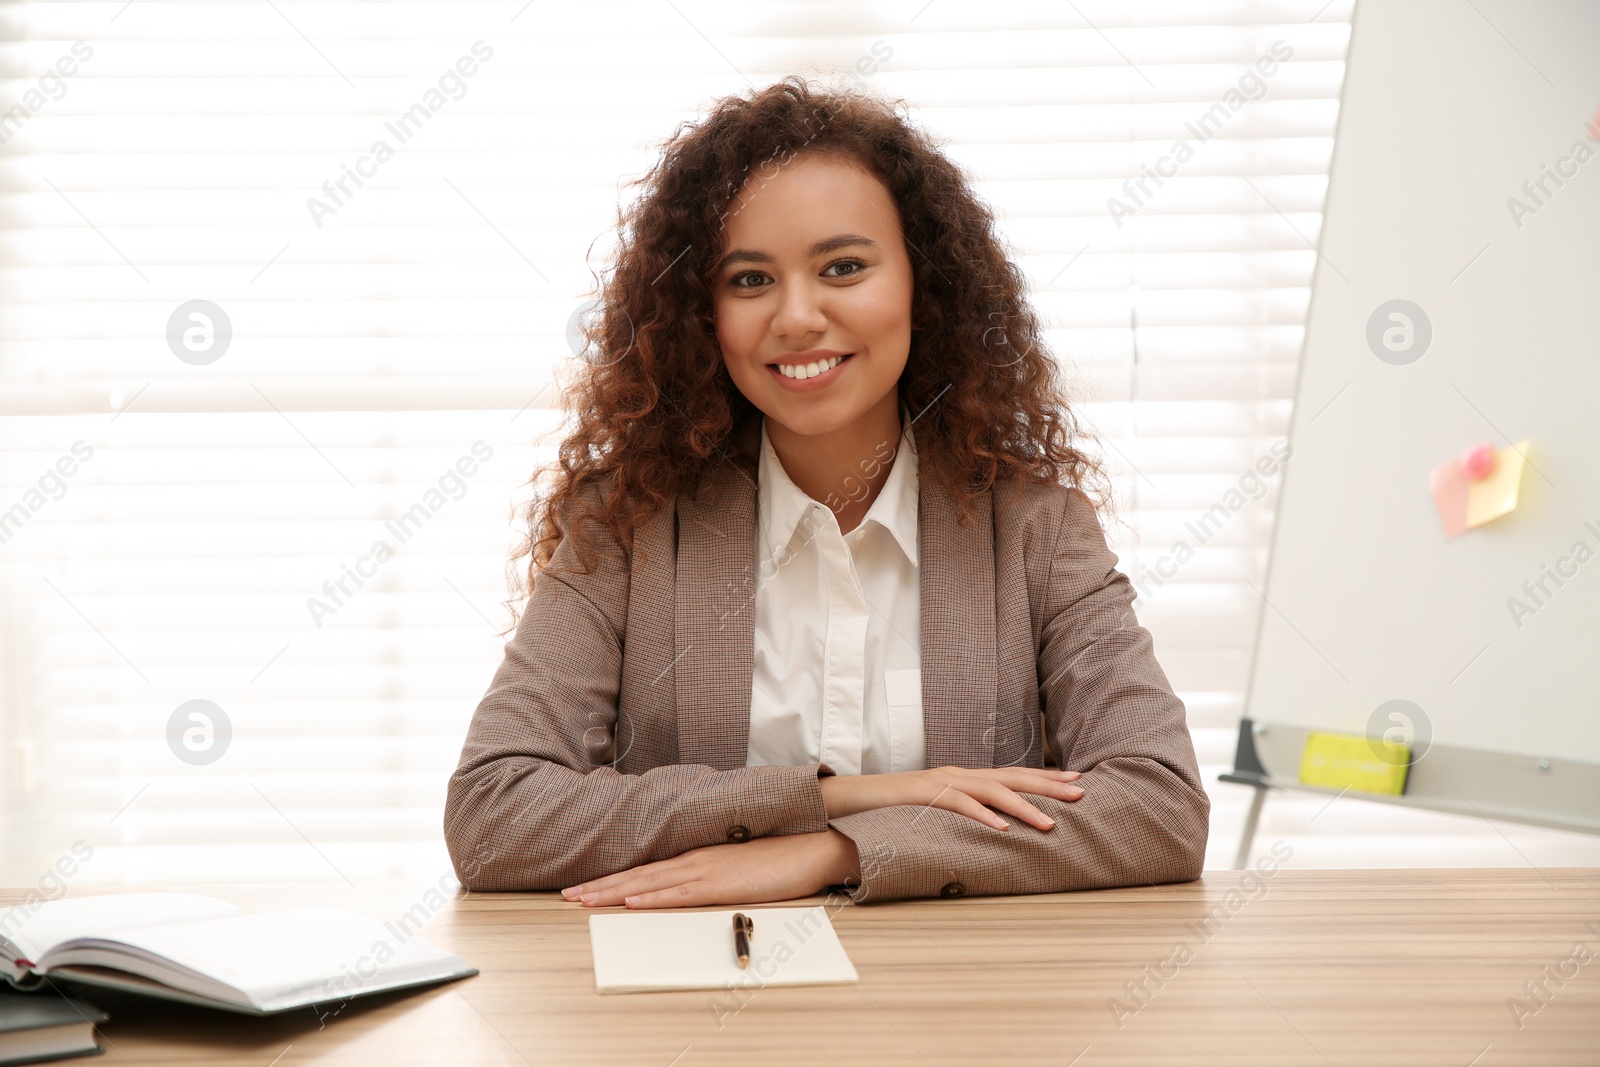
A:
[744,929]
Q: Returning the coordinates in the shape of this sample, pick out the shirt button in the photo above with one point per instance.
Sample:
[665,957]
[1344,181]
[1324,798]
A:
[953,889]
[738,835]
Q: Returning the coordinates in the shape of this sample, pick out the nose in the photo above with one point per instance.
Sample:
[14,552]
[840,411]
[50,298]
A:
[799,313]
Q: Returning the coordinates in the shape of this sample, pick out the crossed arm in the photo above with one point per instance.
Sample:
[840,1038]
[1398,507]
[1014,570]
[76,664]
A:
[799,865]
[532,805]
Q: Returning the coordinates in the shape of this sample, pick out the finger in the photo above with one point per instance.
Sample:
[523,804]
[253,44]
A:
[1058,788]
[1045,772]
[687,895]
[601,885]
[612,881]
[1009,774]
[609,881]
[614,894]
[1006,800]
[640,881]
[963,804]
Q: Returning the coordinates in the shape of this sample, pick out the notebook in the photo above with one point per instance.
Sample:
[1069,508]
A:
[201,950]
[652,951]
[42,1026]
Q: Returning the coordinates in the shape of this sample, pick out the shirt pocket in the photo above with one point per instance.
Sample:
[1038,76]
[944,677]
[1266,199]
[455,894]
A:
[903,689]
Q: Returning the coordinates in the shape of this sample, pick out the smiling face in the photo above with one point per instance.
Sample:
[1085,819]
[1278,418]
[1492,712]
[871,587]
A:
[812,297]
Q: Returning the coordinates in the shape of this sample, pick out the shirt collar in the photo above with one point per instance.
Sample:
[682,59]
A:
[783,506]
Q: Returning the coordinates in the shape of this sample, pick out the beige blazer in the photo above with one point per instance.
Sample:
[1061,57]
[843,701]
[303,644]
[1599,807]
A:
[614,732]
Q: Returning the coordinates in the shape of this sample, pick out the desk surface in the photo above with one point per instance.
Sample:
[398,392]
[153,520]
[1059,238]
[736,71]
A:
[1296,967]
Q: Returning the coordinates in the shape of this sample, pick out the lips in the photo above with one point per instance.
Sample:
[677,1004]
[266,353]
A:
[819,374]
[803,371]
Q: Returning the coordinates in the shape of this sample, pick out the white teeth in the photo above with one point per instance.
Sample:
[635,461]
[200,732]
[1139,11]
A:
[809,370]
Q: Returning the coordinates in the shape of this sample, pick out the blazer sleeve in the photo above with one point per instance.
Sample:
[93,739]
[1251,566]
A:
[532,804]
[1110,714]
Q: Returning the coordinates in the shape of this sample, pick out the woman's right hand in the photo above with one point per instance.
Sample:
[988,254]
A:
[967,791]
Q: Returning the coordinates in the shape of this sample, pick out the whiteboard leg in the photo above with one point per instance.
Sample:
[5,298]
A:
[1248,836]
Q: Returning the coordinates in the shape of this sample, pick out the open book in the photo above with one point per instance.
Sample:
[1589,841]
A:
[205,951]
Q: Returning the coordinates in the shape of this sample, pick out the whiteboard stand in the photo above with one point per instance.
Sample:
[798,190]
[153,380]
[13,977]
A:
[1247,770]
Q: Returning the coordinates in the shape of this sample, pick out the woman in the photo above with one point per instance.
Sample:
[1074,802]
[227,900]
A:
[816,557]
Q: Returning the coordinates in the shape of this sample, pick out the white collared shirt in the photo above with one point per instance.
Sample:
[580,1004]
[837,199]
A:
[838,658]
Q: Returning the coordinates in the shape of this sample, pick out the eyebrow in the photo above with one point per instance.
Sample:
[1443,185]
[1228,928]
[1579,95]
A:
[821,248]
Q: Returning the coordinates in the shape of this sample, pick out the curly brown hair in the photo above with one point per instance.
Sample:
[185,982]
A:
[652,399]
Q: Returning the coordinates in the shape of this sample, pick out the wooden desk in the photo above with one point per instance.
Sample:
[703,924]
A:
[1300,967]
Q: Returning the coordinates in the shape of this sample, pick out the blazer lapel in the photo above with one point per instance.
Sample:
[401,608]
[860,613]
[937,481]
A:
[714,613]
[960,675]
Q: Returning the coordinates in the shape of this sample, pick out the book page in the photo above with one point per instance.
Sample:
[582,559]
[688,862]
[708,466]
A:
[646,951]
[303,955]
[35,929]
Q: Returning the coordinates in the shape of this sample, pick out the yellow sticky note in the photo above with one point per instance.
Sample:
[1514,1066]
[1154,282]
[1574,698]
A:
[1494,496]
[1364,764]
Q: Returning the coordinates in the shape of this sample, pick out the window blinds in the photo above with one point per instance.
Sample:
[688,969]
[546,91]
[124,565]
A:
[286,293]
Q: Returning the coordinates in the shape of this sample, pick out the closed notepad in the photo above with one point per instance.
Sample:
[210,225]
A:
[651,951]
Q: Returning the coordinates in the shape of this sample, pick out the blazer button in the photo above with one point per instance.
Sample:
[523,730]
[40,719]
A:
[953,889]
[738,835]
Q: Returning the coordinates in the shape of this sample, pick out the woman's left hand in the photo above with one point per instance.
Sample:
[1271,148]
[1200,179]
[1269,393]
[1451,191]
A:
[782,867]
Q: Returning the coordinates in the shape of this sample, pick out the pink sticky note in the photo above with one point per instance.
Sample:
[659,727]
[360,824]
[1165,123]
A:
[1450,493]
